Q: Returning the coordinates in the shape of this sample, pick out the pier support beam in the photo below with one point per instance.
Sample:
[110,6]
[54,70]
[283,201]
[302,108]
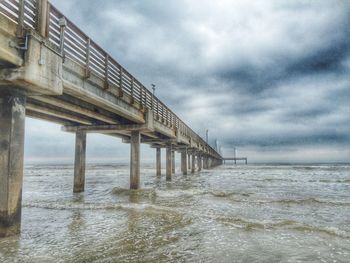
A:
[168,162]
[184,162]
[12,122]
[158,162]
[193,167]
[79,162]
[173,162]
[135,160]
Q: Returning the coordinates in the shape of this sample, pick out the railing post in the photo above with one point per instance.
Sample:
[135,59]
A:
[132,90]
[20,18]
[88,47]
[42,17]
[63,24]
[106,85]
[121,92]
[141,96]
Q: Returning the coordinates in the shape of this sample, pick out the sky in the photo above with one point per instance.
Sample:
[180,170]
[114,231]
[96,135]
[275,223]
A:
[268,77]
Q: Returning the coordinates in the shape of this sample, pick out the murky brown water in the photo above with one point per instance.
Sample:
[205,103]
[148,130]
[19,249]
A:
[229,214]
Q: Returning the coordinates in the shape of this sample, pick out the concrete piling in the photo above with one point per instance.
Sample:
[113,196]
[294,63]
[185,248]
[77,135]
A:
[168,162]
[184,162]
[135,160]
[193,167]
[199,162]
[12,123]
[79,163]
[173,162]
[158,162]
[189,160]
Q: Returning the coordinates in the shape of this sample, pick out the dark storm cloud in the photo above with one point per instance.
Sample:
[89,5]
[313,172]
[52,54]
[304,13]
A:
[264,73]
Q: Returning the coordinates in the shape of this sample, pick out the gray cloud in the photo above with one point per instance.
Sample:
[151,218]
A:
[256,74]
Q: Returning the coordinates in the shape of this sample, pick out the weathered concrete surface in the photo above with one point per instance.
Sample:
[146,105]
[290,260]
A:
[79,163]
[158,162]
[41,72]
[12,122]
[8,55]
[168,162]
[135,160]
[184,162]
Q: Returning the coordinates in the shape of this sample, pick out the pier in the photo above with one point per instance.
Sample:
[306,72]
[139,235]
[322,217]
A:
[51,70]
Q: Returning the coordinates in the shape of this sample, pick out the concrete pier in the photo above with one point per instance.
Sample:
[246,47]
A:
[168,162]
[193,167]
[158,162]
[71,88]
[79,163]
[135,160]
[173,162]
[12,122]
[184,162]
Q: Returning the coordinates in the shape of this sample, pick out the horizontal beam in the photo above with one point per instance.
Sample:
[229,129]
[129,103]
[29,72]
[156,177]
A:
[56,101]
[57,113]
[109,128]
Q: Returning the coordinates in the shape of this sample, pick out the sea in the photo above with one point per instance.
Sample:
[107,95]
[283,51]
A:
[231,213]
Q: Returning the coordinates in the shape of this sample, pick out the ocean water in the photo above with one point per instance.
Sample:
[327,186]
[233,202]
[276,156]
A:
[253,213]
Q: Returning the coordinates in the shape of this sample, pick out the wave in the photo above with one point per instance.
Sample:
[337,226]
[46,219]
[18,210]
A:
[179,193]
[227,194]
[310,200]
[98,206]
[144,192]
[249,225]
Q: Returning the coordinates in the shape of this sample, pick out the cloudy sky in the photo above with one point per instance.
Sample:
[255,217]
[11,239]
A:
[269,77]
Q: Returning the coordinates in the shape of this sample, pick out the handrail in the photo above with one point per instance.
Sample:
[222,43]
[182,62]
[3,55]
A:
[78,47]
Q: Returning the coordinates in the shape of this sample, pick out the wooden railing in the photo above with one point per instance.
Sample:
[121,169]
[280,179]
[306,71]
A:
[77,46]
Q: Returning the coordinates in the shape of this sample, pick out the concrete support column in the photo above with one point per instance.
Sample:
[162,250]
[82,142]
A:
[12,122]
[79,162]
[189,160]
[158,162]
[173,162]
[168,162]
[199,162]
[193,167]
[205,162]
[135,160]
[184,162]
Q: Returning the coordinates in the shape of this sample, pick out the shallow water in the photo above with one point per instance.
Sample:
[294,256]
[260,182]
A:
[277,213]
